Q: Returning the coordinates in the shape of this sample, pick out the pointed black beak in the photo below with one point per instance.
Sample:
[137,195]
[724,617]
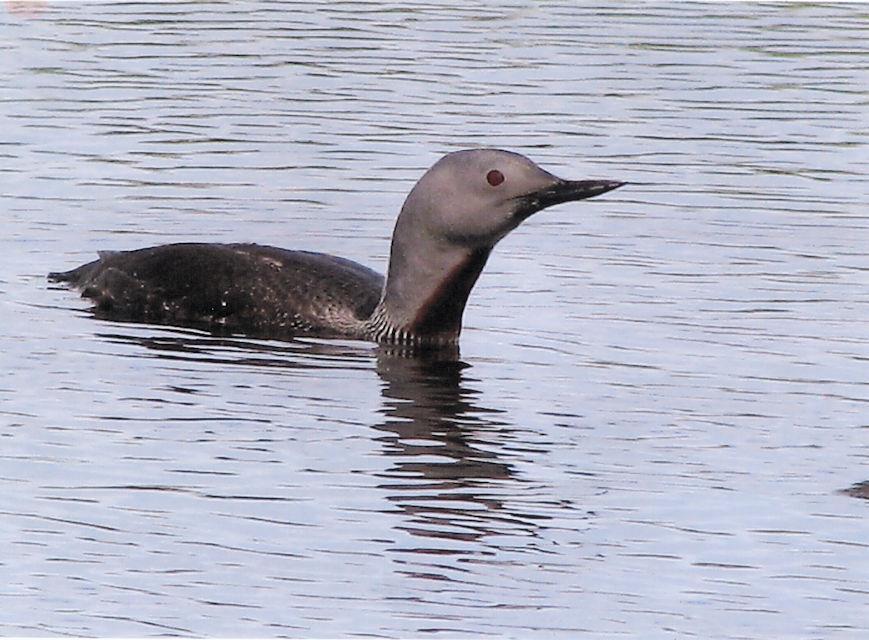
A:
[563,191]
[570,190]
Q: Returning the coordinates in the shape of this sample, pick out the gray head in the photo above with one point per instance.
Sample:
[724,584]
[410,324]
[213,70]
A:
[454,215]
[476,197]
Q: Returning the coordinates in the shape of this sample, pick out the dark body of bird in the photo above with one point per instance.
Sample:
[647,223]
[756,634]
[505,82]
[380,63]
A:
[243,288]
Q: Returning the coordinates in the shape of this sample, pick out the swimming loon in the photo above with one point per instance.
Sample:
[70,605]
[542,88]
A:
[452,218]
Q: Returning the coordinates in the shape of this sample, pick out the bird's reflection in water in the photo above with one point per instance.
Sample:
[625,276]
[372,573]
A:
[449,468]
[208,347]
[451,475]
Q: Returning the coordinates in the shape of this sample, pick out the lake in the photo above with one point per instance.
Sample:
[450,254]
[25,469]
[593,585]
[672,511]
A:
[659,421]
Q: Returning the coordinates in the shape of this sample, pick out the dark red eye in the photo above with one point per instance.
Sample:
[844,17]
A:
[494,177]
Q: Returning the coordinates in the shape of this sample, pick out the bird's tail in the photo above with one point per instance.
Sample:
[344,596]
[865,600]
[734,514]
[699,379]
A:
[75,276]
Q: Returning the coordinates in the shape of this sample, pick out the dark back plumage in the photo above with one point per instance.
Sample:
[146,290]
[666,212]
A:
[247,288]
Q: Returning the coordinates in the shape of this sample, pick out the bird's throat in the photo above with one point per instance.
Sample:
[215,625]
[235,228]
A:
[441,312]
[432,315]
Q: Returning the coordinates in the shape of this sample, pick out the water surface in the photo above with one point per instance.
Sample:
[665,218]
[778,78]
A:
[661,392]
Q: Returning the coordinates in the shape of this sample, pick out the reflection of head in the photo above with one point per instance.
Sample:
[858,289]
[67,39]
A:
[447,472]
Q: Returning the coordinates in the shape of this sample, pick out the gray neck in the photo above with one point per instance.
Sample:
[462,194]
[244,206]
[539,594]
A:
[425,294]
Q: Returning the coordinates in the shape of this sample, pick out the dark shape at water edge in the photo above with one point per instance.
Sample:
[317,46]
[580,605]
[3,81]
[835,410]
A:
[449,224]
[858,490]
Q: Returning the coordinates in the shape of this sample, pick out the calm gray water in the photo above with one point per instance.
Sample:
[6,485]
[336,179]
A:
[662,393]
